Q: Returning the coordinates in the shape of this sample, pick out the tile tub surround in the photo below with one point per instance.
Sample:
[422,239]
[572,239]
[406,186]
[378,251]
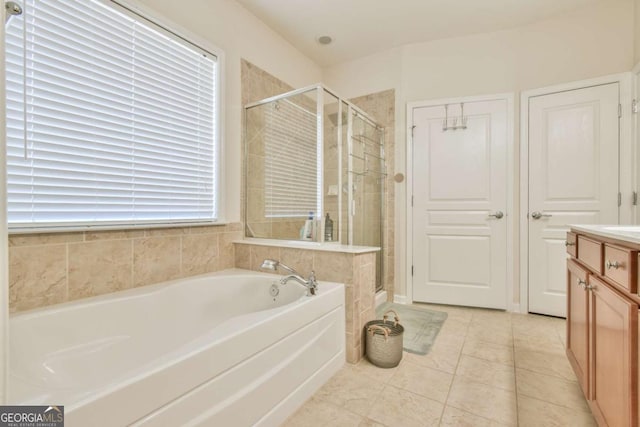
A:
[52,268]
[356,270]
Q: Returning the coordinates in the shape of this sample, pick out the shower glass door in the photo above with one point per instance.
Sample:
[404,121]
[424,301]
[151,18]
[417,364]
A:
[367,180]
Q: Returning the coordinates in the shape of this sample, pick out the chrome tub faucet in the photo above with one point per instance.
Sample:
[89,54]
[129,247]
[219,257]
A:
[311,284]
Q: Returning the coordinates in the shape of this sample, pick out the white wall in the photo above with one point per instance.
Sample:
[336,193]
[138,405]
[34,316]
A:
[590,42]
[229,26]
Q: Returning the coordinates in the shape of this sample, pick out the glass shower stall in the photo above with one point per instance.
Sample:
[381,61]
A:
[314,170]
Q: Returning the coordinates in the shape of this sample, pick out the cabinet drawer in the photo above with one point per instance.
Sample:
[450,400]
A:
[620,266]
[571,244]
[590,253]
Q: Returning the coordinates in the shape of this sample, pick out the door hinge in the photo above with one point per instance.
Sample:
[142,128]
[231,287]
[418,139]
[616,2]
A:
[412,128]
[619,110]
[635,198]
[412,270]
[619,199]
[411,201]
[634,106]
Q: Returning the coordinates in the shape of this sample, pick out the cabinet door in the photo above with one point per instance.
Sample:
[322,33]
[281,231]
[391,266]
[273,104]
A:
[614,322]
[578,323]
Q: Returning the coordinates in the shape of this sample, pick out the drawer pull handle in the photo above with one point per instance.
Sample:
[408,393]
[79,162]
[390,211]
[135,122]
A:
[568,243]
[590,288]
[614,264]
[582,284]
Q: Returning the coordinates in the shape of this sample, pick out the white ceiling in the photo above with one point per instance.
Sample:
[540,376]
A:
[363,27]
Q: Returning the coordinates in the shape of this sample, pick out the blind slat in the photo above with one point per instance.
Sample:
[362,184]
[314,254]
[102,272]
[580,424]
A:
[120,119]
[291,159]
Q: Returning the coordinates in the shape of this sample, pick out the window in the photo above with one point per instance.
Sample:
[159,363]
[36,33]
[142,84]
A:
[110,120]
[291,161]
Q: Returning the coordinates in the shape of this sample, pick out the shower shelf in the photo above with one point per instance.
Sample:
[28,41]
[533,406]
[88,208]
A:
[365,156]
[358,138]
[367,171]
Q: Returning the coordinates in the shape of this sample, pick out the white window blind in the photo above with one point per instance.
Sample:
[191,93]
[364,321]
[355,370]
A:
[110,119]
[291,161]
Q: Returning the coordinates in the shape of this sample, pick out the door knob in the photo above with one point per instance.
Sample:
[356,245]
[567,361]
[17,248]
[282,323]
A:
[497,215]
[538,215]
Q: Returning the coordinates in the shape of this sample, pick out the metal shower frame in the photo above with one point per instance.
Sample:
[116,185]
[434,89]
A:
[352,111]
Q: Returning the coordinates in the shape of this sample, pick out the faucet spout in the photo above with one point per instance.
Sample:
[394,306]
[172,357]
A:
[311,283]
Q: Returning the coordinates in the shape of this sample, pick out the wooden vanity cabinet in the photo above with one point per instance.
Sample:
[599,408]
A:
[602,327]
[614,355]
[578,323]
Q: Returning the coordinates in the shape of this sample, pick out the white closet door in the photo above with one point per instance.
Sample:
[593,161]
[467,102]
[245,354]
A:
[573,179]
[459,181]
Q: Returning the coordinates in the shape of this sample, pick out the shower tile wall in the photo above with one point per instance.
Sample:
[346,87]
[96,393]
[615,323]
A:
[46,269]
[381,107]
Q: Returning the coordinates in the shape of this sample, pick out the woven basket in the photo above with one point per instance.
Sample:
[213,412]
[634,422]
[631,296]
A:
[384,341]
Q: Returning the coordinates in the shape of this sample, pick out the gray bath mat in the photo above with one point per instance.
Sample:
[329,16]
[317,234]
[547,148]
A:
[421,326]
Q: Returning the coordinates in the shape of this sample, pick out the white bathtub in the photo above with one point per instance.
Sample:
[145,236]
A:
[212,350]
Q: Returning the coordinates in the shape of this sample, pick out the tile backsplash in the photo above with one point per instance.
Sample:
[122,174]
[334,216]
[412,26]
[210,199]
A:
[46,269]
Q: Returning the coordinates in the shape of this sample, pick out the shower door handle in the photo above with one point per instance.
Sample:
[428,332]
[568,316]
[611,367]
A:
[497,215]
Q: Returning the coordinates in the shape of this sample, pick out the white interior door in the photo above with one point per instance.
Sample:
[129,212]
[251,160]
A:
[459,182]
[573,179]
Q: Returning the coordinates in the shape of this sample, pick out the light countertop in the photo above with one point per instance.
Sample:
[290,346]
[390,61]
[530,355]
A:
[311,246]
[627,233]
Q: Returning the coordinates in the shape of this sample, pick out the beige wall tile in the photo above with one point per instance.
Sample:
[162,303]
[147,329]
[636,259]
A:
[173,231]
[354,354]
[299,260]
[37,276]
[260,253]
[208,229]
[333,267]
[243,256]
[44,238]
[99,267]
[352,309]
[227,249]
[112,234]
[155,259]
[200,254]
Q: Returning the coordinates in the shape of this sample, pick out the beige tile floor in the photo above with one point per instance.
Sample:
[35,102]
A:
[486,368]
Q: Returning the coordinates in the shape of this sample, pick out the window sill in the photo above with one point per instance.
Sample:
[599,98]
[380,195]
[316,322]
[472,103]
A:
[112,227]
